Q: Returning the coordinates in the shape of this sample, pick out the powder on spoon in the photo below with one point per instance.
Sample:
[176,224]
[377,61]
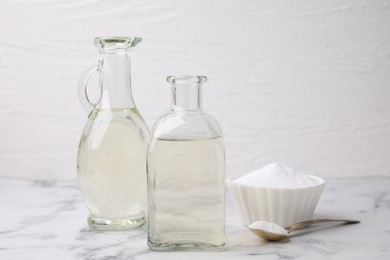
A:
[269,227]
[277,175]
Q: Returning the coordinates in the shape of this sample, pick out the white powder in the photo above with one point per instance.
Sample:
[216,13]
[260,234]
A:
[277,175]
[269,227]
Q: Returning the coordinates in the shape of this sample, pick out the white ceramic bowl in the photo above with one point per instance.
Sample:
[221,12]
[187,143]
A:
[283,206]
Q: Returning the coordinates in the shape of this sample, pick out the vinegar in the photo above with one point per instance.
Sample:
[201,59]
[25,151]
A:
[111,168]
[186,188]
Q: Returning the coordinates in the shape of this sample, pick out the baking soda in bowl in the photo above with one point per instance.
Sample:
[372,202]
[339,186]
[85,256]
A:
[278,175]
[275,193]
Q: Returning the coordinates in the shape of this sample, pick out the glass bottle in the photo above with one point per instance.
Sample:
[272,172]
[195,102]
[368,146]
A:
[186,174]
[112,151]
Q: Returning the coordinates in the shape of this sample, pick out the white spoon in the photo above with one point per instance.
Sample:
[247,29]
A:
[274,232]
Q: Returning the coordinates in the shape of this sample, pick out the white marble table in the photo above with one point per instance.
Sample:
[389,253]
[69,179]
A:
[47,220]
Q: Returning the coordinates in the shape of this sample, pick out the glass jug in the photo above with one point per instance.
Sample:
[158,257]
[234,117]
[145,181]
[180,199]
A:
[112,151]
[186,174]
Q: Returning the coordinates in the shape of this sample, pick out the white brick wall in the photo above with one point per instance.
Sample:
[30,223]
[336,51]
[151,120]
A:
[302,82]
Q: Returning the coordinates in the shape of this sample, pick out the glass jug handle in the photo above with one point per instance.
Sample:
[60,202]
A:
[82,87]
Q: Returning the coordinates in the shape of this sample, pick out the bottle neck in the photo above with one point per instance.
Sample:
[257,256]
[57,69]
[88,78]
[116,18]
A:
[186,97]
[115,80]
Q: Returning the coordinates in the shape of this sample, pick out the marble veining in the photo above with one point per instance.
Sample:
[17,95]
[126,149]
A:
[47,220]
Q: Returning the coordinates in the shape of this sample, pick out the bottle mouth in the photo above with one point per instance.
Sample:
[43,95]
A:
[186,80]
[116,42]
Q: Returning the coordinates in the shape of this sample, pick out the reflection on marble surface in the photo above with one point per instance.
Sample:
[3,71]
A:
[47,220]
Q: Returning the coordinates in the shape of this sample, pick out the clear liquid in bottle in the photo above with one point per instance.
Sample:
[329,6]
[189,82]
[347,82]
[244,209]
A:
[186,187]
[111,168]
